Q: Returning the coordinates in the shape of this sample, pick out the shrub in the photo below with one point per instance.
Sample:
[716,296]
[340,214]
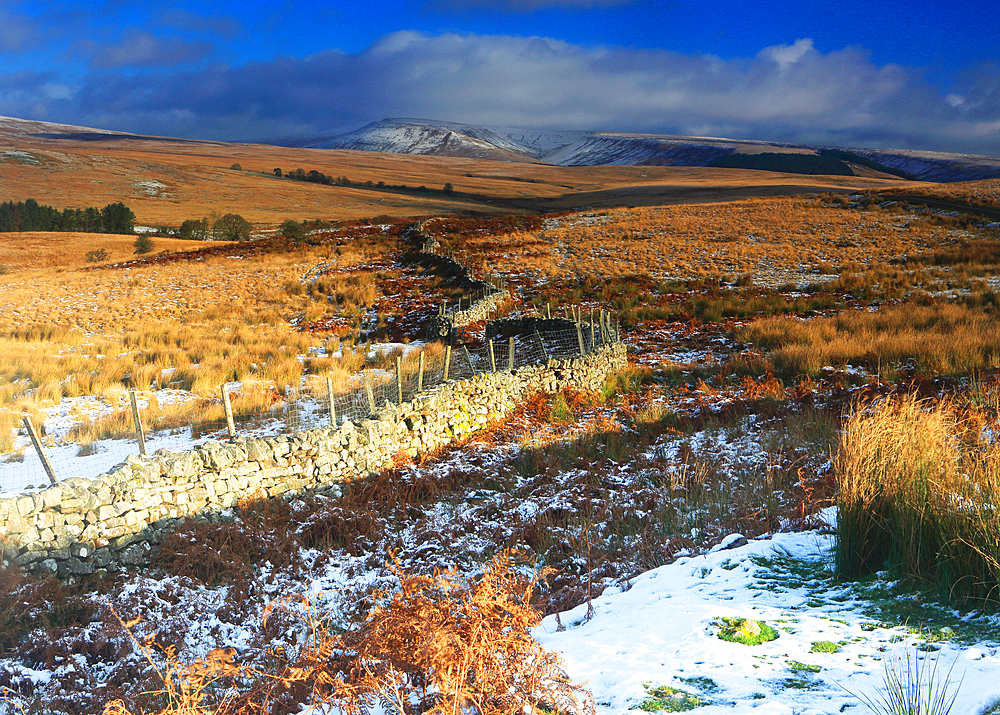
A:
[436,645]
[98,255]
[143,244]
[292,229]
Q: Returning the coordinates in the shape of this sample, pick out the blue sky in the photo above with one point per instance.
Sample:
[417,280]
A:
[921,75]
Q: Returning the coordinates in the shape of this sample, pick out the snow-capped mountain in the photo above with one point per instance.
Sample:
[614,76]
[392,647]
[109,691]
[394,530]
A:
[583,148]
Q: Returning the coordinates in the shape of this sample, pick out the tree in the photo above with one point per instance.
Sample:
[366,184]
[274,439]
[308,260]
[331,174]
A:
[143,244]
[277,172]
[449,189]
[232,227]
[117,218]
[292,229]
[194,230]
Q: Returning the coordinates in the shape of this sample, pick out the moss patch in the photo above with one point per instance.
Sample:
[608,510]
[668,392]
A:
[744,630]
[663,698]
[824,647]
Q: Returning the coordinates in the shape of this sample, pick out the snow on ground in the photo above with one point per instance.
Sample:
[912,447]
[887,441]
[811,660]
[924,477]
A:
[661,632]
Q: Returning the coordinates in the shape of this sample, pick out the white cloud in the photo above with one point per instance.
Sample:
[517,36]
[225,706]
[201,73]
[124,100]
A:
[789,92]
[787,55]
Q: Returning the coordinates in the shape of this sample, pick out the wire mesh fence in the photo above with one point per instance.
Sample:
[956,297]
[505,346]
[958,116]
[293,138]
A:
[93,446]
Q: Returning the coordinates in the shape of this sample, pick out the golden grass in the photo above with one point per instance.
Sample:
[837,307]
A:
[167,182]
[37,250]
[945,339]
[980,193]
[774,239]
[192,325]
[918,487]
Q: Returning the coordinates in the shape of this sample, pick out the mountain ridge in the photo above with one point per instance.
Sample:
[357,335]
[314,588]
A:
[403,135]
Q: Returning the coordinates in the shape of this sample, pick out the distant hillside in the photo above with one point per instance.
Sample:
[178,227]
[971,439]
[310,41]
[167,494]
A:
[581,148]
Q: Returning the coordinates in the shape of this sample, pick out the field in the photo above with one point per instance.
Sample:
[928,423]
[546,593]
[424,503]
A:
[773,339]
[168,181]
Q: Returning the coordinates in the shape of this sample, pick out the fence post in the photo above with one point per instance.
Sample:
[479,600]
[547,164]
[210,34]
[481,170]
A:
[399,378]
[368,389]
[38,448]
[593,335]
[447,362]
[420,373]
[604,332]
[510,354]
[493,360]
[541,344]
[228,406]
[548,310]
[140,435]
[329,399]
[579,339]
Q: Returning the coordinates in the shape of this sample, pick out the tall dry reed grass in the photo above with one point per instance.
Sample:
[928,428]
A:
[945,339]
[918,488]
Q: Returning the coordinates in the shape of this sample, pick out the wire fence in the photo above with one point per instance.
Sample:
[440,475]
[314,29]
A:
[160,419]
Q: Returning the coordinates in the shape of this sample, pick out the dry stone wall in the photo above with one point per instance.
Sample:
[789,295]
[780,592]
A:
[80,525]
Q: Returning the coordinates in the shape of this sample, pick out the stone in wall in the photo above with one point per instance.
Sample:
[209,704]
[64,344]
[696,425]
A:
[115,520]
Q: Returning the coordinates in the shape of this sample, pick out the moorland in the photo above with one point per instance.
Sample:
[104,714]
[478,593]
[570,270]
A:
[796,343]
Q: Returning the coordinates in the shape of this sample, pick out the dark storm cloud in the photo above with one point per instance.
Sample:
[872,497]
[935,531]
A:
[790,92]
[524,5]
[17,32]
[221,25]
[139,48]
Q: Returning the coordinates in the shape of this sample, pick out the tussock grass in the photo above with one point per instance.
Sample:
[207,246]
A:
[918,492]
[757,237]
[945,339]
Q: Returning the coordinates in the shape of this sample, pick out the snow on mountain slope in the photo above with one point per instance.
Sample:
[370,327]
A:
[409,136]
[583,148]
[637,150]
[935,166]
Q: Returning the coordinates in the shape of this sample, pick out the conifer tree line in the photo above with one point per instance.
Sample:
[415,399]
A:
[32,216]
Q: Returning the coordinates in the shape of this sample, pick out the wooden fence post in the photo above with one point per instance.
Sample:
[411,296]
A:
[333,406]
[399,378]
[420,372]
[593,334]
[368,389]
[510,354]
[38,448]
[228,406]
[447,362]
[541,344]
[579,339]
[140,434]
[493,360]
